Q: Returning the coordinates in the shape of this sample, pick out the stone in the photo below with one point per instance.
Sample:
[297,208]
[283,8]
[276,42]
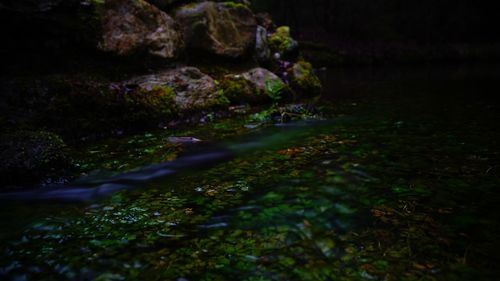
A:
[262,50]
[257,85]
[193,89]
[304,80]
[133,26]
[227,29]
[260,77]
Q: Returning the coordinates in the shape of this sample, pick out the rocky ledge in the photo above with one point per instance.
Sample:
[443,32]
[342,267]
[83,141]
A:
[195,57]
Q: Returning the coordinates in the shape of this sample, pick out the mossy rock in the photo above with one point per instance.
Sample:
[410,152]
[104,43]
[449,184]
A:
[282,42]
[304,81]
[94,108]
[224,29]
[156,103]
[239,90]
[32,157]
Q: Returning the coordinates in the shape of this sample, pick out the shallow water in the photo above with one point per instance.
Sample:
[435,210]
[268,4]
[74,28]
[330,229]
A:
[400,182]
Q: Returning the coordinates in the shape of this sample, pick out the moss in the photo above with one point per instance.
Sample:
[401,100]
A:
[274,89]
[304,80]
[234,5]
[142,105]
[237,89]
[281,41]
[30,157]
[221,98]
[91,108]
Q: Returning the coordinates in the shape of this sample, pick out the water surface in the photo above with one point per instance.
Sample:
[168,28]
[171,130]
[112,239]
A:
[398,182]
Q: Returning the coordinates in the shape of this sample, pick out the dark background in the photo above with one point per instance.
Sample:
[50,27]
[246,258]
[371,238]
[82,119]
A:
[422,22]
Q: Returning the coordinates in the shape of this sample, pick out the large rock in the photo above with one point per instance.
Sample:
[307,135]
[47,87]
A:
[254,86]
[304,80]
[194,90]
[225,29]
[132,26]
[122,27]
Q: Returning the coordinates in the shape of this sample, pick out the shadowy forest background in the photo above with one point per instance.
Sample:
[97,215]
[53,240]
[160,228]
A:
[423,21]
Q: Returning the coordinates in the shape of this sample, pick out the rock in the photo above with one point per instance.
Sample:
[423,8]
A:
[193,89]
[265,20]
[183,140]
[240,91]
[262,50]
[121,27]
[304,80]
[32,157]
[255,86]
[165,4]
[225,29]
[282,43]
[129,27]
[261,78]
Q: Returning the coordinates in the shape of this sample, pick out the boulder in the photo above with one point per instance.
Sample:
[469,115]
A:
[304,80]
[255,86]
[32,157]
[226,29]
[121,27]
[132,26]
[193,89]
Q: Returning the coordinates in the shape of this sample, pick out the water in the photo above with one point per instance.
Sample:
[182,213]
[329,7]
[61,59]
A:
[399,183]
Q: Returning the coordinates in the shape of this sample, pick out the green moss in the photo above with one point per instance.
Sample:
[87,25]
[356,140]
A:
[221,98]
[274,88]
[234,5]
[156,103]
[281,41]
[304,80]
[237,89]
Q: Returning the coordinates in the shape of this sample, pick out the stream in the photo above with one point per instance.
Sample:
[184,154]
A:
[396,180]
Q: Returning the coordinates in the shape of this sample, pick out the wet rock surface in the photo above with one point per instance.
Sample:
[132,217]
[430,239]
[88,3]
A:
[193,89]
[225,29]
[129,27]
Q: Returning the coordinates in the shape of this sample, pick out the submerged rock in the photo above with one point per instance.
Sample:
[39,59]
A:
[193,89]
[183,140]
[225,29]
[129,27]
[32,157]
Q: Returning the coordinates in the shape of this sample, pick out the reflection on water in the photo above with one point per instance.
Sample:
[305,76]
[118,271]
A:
[400,184]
